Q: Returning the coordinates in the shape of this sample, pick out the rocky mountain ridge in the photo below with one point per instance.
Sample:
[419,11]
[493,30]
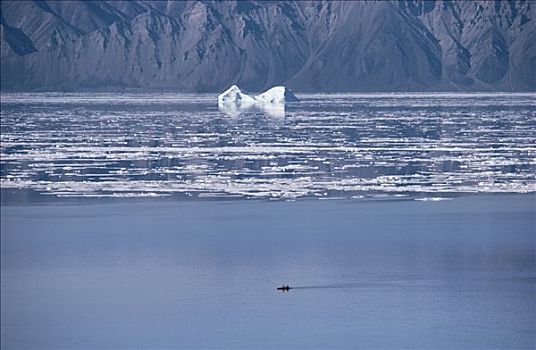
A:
[206,46]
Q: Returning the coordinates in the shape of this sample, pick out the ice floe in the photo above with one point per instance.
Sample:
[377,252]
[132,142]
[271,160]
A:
[234,101]
[277,94]
[233,96]
[326,146]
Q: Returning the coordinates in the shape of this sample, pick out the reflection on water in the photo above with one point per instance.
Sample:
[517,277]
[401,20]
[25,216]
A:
[325,146]
[275,110]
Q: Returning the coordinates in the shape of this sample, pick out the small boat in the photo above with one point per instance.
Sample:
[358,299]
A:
[284,288]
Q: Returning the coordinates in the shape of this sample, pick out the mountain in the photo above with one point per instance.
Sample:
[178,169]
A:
[207,46]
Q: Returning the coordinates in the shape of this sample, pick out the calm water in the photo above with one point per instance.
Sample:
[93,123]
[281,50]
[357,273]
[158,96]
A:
[197,274]
[325,146]
[425,237]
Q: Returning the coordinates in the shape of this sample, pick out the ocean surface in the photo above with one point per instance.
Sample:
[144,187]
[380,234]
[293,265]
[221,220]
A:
[161,221]
[456,274]
[125,145]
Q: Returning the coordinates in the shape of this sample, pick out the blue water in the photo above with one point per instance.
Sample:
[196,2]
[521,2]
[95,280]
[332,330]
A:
[400,221]
[132,145]
[370,274]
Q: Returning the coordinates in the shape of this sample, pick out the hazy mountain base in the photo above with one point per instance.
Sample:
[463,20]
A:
[307,46]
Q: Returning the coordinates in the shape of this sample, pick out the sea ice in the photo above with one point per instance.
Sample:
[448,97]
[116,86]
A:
[276,95]
[235,96]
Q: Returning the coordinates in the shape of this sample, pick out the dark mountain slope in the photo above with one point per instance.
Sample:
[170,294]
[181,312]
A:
[310,46]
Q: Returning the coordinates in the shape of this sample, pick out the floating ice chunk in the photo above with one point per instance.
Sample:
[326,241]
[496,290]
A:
[277,94]
[432,199]
[235,96]
[233,101]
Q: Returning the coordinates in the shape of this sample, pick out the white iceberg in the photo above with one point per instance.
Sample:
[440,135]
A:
[235,96]
[233,100]
[277,94]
